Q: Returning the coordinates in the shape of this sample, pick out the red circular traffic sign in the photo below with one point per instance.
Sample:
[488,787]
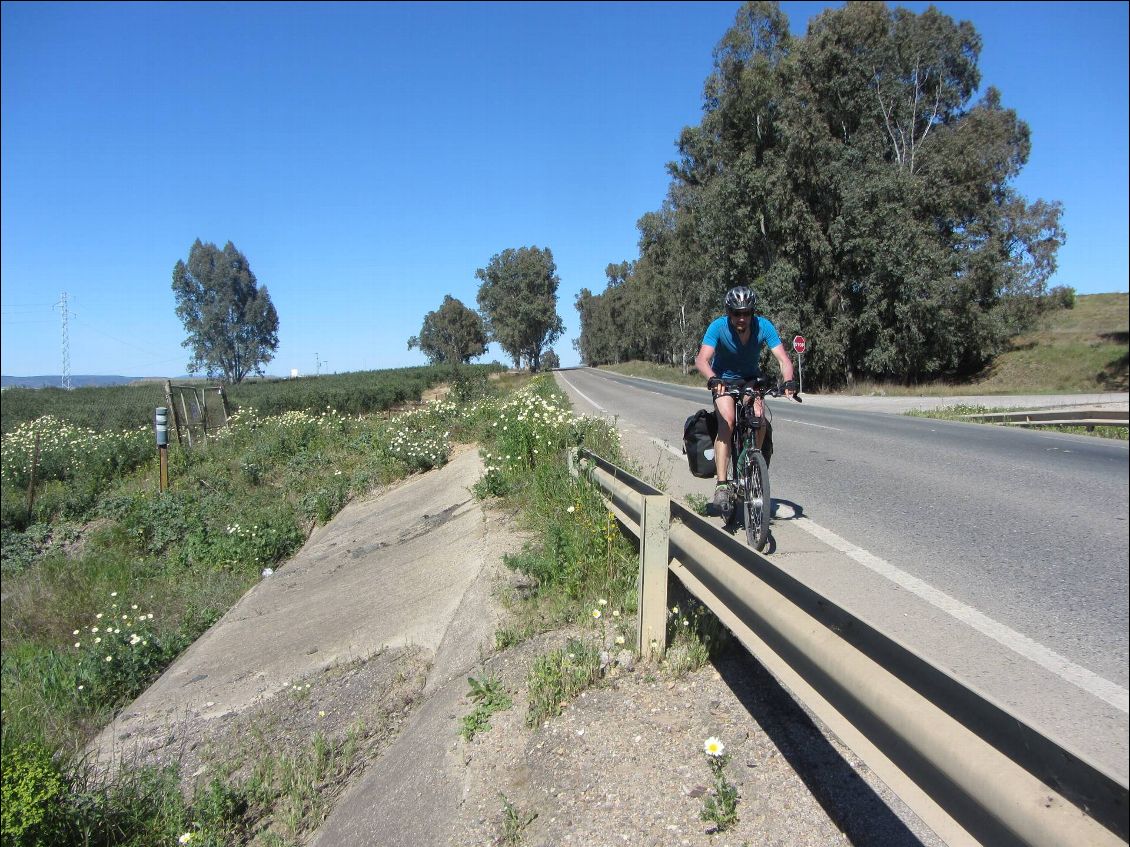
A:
[798,344]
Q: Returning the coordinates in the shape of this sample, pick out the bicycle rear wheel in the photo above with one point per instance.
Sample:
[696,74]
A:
[757,505]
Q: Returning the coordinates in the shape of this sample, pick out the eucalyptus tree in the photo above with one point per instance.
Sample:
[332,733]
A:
[518,300]
[849,177]
[452,334]
[232,326]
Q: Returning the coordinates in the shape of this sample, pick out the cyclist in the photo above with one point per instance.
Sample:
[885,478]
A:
[730,356]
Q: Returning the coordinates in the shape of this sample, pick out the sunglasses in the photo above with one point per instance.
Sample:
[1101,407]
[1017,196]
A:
[741,314]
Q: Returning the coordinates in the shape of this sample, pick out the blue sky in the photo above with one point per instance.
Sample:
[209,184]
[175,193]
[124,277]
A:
[368,158]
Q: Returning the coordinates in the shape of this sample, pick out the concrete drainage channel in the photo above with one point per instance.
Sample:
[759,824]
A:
[973,772]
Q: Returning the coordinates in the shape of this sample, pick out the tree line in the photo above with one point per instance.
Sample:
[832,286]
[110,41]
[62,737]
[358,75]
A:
[848,178]
[517,309]
[233,327]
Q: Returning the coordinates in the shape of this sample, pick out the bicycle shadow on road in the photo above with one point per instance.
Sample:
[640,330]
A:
[783,510]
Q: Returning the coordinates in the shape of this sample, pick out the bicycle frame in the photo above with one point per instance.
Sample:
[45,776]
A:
[749,471]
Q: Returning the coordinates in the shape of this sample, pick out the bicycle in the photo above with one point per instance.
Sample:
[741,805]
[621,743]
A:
[749,469]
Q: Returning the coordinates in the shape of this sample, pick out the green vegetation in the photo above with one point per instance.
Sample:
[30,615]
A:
[102,595]
[232,325]
[720,806]
[959,413]
[451,334]
[489,697]
[559,676]
[891,235]
[1082,349]
[1085,348]
[108,580]
[518,299]
[514,822]
[128,407]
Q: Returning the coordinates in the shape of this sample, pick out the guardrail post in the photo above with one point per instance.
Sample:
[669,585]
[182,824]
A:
[655,526]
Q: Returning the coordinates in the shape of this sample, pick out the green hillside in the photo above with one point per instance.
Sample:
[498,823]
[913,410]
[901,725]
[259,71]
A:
[1086,348]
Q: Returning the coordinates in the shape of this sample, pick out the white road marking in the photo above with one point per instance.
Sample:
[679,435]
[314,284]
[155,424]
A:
[1092,683]
[666,446]
[806,423]
[588,399]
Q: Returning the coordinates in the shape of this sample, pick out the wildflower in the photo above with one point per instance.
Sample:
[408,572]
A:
[113,593]
[571,509]
[619,639]
[78,644]
[615,613]
[595,614]
[602,602]
[714,747]
[98,617]
[109,658]
[75,632]
[186,838]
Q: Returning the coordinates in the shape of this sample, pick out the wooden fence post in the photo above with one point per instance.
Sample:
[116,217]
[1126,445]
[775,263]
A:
[655,525]
[172,408]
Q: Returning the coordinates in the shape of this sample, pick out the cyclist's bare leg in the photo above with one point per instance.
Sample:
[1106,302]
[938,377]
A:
[759,409]
[725,407]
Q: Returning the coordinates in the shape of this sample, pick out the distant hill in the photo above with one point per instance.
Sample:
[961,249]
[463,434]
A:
[56,381]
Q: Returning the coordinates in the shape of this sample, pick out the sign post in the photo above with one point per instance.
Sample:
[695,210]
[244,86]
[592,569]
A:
[161,425]
[798,348]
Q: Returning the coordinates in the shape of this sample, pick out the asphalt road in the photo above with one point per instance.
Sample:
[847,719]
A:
[1000,553]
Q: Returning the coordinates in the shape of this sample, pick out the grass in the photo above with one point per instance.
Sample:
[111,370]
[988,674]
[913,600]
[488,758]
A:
[489,697]
[171,563]
[960,411]
[514,822]
[1085,349]
[247,502]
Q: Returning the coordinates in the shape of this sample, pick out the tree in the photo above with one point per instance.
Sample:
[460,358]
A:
[848,178]
[518,299]
[452,334]
[233,328]
[550,360]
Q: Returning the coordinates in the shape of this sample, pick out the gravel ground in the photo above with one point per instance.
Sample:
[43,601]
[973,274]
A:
[624,764]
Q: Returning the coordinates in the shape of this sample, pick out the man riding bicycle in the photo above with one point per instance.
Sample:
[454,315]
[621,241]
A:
[730,356]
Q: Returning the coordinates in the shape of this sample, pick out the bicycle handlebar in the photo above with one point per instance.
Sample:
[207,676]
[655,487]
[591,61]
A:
[759,388]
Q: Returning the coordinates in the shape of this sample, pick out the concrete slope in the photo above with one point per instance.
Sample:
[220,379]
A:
[386,572]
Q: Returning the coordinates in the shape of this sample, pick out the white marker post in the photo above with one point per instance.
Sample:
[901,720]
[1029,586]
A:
[798,348]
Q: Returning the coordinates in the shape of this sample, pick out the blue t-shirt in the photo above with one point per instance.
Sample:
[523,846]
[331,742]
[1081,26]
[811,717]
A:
[732,359]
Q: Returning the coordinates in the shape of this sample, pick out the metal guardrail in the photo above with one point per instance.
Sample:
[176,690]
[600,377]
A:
[972,771]
[1089,418]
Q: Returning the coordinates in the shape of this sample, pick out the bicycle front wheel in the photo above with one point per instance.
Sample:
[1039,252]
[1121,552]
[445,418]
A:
[758,506]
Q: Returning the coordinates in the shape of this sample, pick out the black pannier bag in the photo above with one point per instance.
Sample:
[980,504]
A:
[698,442]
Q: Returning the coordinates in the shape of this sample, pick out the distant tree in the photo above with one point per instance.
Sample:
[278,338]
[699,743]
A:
[549,360]
[233,328]
[518,299]
[452,334]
